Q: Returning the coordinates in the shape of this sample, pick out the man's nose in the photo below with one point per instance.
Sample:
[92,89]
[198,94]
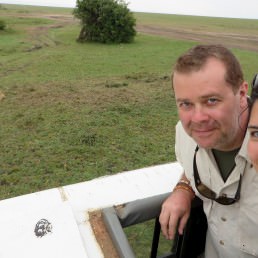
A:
[199,114]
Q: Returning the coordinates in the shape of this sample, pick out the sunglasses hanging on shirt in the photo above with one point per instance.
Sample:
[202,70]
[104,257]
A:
[207,192]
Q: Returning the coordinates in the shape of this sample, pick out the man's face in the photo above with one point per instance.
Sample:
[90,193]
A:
[208,108]
[253,140]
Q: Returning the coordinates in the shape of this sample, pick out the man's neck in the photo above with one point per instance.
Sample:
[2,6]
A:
[243,122]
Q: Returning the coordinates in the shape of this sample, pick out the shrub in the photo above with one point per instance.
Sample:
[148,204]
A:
[105,21]
[2,25]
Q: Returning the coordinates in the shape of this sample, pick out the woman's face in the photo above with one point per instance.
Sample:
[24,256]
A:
[253,130]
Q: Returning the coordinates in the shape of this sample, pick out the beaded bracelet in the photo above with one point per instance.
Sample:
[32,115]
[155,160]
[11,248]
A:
[184,181]
[184,186]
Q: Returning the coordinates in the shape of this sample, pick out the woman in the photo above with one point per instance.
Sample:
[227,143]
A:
[253,125]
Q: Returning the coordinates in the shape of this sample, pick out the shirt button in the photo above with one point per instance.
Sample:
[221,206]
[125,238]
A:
[223,219]
[221,242]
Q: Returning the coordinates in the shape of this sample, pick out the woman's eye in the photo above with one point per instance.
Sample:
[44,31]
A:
[254,134]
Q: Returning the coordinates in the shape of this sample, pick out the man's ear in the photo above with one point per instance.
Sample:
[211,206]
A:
[243,92]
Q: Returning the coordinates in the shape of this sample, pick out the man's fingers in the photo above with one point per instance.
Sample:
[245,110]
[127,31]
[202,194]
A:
[168,225]
[171,230]
[173,225]
[164,220]
[182,224]
[174,210]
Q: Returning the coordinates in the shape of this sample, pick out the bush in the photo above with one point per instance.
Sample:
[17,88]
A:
[105,21]
[2,25]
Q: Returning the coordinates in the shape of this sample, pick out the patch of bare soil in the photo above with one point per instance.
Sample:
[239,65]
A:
[248,42]
[102,235]
[39,34]
[2,96]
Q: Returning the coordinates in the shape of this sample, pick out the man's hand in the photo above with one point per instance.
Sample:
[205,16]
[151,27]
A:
[176,208]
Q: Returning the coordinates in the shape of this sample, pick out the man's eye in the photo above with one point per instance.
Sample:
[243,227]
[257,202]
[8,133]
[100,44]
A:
[212,101]
[184,104]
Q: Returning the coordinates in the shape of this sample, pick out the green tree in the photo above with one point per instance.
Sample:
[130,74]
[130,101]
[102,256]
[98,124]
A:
[105,21]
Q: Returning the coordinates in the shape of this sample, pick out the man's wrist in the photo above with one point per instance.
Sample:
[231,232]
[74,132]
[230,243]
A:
[184,185]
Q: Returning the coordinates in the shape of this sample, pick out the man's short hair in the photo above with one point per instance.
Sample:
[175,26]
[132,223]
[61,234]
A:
[195,58]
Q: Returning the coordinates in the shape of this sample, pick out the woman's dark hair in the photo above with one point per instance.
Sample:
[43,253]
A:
[254,91]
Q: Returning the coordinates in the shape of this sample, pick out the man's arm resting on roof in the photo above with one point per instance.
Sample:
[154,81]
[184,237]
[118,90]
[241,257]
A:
[176,208]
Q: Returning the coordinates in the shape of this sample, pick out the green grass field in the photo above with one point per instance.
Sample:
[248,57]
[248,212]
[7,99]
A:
[72,112]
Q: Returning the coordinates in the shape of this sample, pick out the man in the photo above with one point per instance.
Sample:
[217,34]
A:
[212,102]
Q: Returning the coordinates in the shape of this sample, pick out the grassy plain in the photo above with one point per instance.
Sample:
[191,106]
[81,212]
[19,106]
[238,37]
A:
[72,112]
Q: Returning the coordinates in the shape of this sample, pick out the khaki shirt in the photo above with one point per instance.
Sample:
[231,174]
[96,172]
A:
[232,229]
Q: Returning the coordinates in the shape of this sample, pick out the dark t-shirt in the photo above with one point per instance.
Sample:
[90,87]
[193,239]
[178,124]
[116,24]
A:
[225,161]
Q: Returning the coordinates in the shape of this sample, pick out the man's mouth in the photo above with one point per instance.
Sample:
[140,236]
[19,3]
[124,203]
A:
[202,132]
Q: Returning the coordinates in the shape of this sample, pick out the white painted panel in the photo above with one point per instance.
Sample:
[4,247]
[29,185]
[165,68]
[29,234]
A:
[66,209]
[23,233]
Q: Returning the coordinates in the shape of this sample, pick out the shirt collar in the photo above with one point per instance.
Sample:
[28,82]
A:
[243,150]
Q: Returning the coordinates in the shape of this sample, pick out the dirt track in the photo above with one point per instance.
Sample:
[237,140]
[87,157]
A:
[247,42]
